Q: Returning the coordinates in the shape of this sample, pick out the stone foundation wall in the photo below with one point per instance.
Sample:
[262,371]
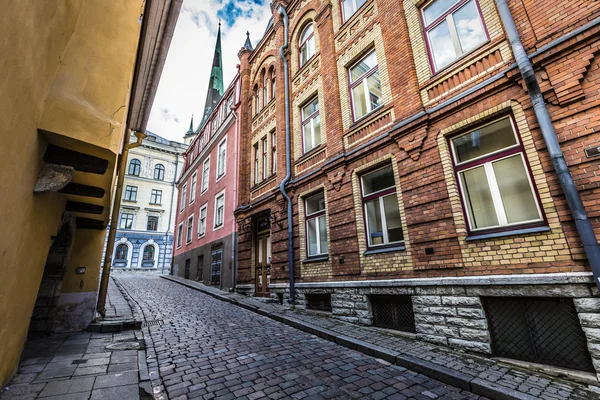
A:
[588,310]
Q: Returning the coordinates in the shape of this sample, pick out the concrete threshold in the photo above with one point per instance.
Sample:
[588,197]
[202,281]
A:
[441,373]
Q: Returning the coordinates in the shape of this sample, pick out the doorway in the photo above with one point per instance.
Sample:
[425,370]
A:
[263,264]
[215,267]
[187,269]
[200,269]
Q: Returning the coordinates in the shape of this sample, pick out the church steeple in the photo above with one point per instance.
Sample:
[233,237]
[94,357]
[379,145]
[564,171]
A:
[215,83]
[191,130]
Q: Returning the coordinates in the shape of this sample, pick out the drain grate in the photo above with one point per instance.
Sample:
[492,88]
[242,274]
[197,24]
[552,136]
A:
[77,362]
[153,323]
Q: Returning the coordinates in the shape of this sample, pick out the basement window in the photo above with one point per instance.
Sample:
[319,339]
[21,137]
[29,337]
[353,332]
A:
[393,312]
[319,302]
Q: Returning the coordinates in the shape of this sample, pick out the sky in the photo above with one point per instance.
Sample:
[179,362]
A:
[184,81]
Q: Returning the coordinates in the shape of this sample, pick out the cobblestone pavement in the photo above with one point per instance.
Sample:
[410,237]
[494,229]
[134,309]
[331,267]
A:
[210,349]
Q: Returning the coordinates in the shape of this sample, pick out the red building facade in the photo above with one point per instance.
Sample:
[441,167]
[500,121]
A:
[423,195]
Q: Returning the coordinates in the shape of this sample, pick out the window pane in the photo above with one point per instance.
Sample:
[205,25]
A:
[441,45]
[517,194]
[306,33]
[317,130]
[312,236]
[493,137]
[469,27]
[374,90]
[378,180]
[323,234]
[392,218]
[308,142]
[374,222]
[478,198]
[363,66]
[348,8]
[435,10]
[315,204]
[359,100]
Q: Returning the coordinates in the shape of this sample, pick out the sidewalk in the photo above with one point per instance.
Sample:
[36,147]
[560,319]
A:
[84,365]
[480,375]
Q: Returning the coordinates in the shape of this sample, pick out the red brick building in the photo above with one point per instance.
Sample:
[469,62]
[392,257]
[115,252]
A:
[423,195]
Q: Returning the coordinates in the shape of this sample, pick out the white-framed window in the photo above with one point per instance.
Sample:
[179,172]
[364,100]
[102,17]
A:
[179,235]
[273,152]
[130,193]
[215,127]
[311,125]
[202,220]
[219,209]
[365,87]
[193,188]
[152,223]
[183,194]
[221,158]
[494,179]
[205,174]
[190,228]
[306,44]
[452,29]
[156,196]
[126,220]
[256,162]
[349,7]
[316,225]
[380,203]
[265,159]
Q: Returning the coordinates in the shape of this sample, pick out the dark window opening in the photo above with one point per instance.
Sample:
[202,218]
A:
[540,330]
[393,312]
[320,302]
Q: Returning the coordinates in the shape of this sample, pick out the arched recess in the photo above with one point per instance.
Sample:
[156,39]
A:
[120,263]
[142,263]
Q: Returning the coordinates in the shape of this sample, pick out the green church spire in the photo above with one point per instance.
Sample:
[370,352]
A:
[215,83]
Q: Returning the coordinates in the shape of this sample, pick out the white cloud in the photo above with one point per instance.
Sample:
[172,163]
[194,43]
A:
[183,85]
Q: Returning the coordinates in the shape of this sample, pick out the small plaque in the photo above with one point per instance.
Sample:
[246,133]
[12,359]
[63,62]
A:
[80,270]
[592,152]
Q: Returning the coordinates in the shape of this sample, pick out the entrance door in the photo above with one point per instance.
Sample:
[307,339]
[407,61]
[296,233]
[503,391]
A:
[215,267]
[263,265]
[200,270]
[187,269]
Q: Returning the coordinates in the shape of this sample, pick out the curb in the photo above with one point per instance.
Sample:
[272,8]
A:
[446,375]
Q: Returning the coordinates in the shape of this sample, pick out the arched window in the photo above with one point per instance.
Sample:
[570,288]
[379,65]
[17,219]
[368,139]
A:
[255,96]
[306,44]
[272,73]
[265,88]
[148,253]
[159,172]
[122,252]
[135,167]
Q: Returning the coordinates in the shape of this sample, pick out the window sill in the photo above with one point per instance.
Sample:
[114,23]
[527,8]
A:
[129,201]
[385,250]
[524,231]
[310,153]
[315,259]
[155,204]
[461,61]
[218,178]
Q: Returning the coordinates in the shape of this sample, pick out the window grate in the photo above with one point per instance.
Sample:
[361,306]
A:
[540,330]
[321,302]
[393,312]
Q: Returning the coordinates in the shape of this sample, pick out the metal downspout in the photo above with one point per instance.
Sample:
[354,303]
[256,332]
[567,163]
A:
[235,193]
[288,161]
[584,227]
[170,214]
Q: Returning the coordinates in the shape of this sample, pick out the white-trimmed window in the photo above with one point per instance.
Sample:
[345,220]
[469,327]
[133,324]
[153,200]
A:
[494,179]
[156,197]
[306,44]
[193,188]
[349,7]
[205,174]
[452,29]
[380,203]
[256,170]
[190,228]
[265,155]
[202,221]
[311,125]
[126,220]
[365,87]
[219,210]
[316,225]
[273,152]
[221,158]
[179,235]
[183,194]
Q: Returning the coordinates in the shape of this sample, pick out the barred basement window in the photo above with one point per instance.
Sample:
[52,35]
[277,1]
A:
[538,329]
[320,302]
[393,312]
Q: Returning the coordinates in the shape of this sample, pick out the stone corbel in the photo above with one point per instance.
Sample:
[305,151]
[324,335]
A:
[53,177]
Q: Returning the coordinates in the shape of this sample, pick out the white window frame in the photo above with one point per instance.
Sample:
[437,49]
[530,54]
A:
[193,187]
[180,235]
[217,196]
[310,44]
[189,229]
[218,176]
[183,194]
[201,223]
[309,120]
[316,215]
[205,177]
[265,157]
[355,6]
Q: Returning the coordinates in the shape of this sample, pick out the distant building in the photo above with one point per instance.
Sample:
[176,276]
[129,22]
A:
[147,216]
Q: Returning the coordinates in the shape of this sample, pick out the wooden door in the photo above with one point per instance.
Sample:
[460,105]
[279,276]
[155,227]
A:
[263,265]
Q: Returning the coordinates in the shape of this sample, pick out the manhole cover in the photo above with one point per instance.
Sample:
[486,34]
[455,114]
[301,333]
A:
[124,346]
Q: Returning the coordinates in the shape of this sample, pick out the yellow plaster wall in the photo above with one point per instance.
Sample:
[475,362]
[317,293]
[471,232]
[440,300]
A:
[66,67]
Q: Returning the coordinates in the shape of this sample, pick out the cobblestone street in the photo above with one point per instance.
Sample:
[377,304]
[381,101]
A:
[210,349]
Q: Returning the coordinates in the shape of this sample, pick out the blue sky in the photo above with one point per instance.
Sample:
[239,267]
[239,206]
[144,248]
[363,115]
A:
[182,89]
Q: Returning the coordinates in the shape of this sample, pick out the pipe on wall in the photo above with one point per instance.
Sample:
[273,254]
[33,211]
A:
[288,156]
[584,227]
[170,215]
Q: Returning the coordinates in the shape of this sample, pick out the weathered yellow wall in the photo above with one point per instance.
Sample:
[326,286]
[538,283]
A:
[66,67]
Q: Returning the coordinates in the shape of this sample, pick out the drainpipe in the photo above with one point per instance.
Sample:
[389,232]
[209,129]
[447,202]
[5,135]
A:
[288,161]
[170,213]
[114,220]
[584,227]
[234,190]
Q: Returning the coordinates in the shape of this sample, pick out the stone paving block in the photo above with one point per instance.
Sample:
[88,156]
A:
[127,392]
[117,379]
[56,388]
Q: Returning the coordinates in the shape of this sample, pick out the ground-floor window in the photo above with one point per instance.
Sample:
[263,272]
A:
[122,252]
[393,312]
